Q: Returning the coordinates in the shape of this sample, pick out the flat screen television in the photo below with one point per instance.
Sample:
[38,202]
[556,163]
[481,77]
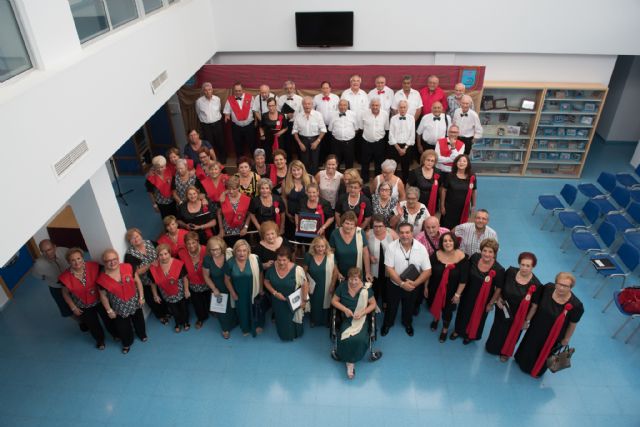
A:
[324,29]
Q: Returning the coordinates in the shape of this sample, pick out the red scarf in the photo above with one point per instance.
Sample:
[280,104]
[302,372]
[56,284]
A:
[516,326]
[479,307]
[276,208]
[87,294]
[445,151]
[125,289]
[195,276]
[465,212]
[361,213]
[320,212]
[215,191]
[241,113]
[275,137]
[175,246]
[209,230]
[433,195]
[163,184]
[235,219]
[200,173]
[551,340]
[168,283]
[440,299]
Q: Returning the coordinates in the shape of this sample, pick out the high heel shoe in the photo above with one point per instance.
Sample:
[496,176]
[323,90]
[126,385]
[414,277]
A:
[434,325]
[443,337]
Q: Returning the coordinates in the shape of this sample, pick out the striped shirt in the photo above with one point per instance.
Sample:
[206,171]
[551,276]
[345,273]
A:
[471,239]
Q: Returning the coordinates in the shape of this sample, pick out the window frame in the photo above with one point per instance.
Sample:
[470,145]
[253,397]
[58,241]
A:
[25,34]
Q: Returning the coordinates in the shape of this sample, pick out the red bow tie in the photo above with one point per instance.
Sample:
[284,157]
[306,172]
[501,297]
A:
[326,98]
[380,92]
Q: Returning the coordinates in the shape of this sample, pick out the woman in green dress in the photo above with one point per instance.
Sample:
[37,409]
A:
[319,264]
[355,301]
[350,247]
[282,279]
[244,281]
[214,268]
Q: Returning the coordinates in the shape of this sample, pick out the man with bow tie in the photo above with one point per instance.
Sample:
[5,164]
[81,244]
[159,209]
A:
[382,93]
[402,138]
[326,103]
[455,98]
[448,148]
[343,126]
[468,122]
[259,105]
[308,131]
[238,110]
[294,106]
[210,118]
[432,127]
[411,96]
[375,125]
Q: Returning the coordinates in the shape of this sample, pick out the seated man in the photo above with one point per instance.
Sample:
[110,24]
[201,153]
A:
[473,233]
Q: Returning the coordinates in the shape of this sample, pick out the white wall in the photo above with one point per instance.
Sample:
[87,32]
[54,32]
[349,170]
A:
[99,93]
[619,120]
[543,26]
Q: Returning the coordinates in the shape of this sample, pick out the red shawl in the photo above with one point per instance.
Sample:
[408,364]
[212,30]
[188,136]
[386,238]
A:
[516,326]
[235,218]
[479,307]
[87,294]
[125,289]
[168,283]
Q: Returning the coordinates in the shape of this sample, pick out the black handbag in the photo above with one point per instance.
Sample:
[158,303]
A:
[561,359]
[410,273]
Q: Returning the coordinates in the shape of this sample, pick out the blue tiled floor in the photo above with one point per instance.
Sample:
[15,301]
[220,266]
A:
[51,375]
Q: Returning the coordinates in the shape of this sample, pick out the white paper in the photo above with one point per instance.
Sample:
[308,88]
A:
[312,285]
[295,299]
[505,310]
[219,303]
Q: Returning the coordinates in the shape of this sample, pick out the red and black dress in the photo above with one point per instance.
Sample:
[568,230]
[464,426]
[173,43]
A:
[162,189]
[200,292]
[441,291]
[171,289]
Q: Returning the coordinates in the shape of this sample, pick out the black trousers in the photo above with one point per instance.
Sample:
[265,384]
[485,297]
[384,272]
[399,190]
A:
[372,151]
[90,317]
[158,310]
[180,312]
[287,143]
[201,302]
[380,288]
[344,151]
[404,161]
[126,326]
[244,138]
[395,294]
[214,133]
[310,157]
[326,147]
[468,143]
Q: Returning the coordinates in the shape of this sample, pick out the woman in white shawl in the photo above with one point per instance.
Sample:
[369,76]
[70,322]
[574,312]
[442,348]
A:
[319,264]
[355,300]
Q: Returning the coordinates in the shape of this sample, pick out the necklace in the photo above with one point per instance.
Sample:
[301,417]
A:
[405,254]
[351,207]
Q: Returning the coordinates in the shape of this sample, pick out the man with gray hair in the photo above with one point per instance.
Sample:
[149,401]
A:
[410,95]
[456,97]
[308,131]
[209,111]
[259,104]
[374,124]
[289,104]
[343,126]
[402,138]
[358,98]
[473,233]
[468,122]
[382,93]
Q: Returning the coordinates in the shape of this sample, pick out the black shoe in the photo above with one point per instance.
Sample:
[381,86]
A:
[409,330]
[434,325]
[384,331]
[466,341]
[443,337]
[454,336]
[416,311]
[83,327]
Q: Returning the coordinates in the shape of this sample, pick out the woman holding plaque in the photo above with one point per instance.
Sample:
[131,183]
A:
[427,179]
[243,278]
[355,301]
[270,242]
[458,197]
[214,269]
[520,288]
[350,246]
[283,279]
[316,206]
[233,215]
[168,275]
[319,263]
[267,207]
[482,289]
[293,191]
[192,255]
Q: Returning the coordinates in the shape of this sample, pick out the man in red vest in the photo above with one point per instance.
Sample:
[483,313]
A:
[448,148]
[238,110]
[432,93]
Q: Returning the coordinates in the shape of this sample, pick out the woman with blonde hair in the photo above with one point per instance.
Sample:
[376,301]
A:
[270,242]
[293,191]
[169,276]
[214,268]
[192,255]
[233,215]
[319,264]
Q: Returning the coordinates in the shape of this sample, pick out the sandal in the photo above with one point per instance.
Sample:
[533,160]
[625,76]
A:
[504,358]
[434,325]
[164,320]
[100,346]
[226,335]
[125,350]
[145,339]
[187,326]
[177,329]
[259,331]
[351,371]
[199,324]
[443,336]
[454,336]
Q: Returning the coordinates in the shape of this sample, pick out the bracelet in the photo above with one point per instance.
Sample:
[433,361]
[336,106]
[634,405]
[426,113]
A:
[110,311]
[457,295]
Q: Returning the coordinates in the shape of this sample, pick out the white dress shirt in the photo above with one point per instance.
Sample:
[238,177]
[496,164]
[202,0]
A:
[343,128]
[261,107]
[295,103]
[402,131]
[469,125]
[309,126]
[453,104]
[358,102]
[234,119]
[326,107]
[414,100]
[399,259]
[208,110]
[386,98]
[374,127]
[432,130]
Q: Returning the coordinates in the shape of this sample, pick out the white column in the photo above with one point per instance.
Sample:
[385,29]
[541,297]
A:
[98,214]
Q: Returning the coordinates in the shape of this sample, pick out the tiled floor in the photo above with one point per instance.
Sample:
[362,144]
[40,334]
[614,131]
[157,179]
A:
[51,375]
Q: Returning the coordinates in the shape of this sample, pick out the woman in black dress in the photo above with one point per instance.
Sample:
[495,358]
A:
[270,242]
[313,203]
[272,126]
[267,206]
[294,190]
[197,215]
[458,195]
[427,179]
[482,290]
[448,277]
[519,288]
[260,163]
[550,324]
[355,200]
[278,170]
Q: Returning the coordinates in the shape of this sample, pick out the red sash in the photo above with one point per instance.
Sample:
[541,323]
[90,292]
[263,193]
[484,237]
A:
[445,151]
[195,276]
[241,113]
[235,219]
[465,212]
[440,299]
[276,208]
[361,214]
[175,246]
[551,340]
[273,175]
[516,326]
[200,173]
[87,294]
[162,184]
[168,283]
[209,230]
[433,195]
[275,137]
[172,168]
[125,289]
[480,305]
[320,212]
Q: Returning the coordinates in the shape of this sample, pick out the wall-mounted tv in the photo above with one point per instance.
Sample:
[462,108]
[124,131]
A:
[324,29]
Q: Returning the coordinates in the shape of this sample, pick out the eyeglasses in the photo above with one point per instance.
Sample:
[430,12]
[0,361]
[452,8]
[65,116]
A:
[562,285]
[378,226]
[111,260]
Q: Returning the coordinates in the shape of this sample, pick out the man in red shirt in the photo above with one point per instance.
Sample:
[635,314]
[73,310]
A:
[431,94]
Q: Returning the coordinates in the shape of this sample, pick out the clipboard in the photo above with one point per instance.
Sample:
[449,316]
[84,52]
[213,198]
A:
[219,303]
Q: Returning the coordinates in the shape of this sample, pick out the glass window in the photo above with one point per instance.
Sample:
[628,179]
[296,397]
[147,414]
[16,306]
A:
[151,5]
[90,18]
[121,11]
[14,58]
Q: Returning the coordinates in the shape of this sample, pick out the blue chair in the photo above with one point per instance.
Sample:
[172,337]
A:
[627,179]
[572,219]
[619,195]
[629,316]
[553,203]
[607,182]
[632,237]
[635,194]
[589,242]
[624,222]
[624,261]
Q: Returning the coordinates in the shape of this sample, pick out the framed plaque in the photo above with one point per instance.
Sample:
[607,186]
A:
[500,103]
[528,105]
[308,225]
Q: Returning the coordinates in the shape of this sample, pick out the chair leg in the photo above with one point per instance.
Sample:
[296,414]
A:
[554,224]
[535,208]
[564,243]
[547,218]
[584,270]
[621,327]
[606,307]
[632,334]
[604,283]
[575,267]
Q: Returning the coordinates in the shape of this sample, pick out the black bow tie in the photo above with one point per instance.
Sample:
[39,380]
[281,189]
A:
[289,98]
[436,118]
[238,98]
[342,114]
[402,118]
[464,114]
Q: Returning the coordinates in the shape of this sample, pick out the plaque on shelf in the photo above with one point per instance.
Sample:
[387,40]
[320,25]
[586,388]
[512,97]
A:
[589,107]
[490,130]
[586,120]
[565,106]
[513,130]
[524,128]
[513,109]
[560,94]
[501,131]
[528,105]
[500,103]
[503,117]
[582,133]
[487,103]
[571,132]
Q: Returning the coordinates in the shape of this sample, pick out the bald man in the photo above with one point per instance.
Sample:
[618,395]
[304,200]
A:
[259,104]
[456,97]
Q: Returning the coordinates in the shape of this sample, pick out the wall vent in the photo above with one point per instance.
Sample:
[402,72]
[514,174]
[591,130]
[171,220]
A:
[158,81]
[62,166]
